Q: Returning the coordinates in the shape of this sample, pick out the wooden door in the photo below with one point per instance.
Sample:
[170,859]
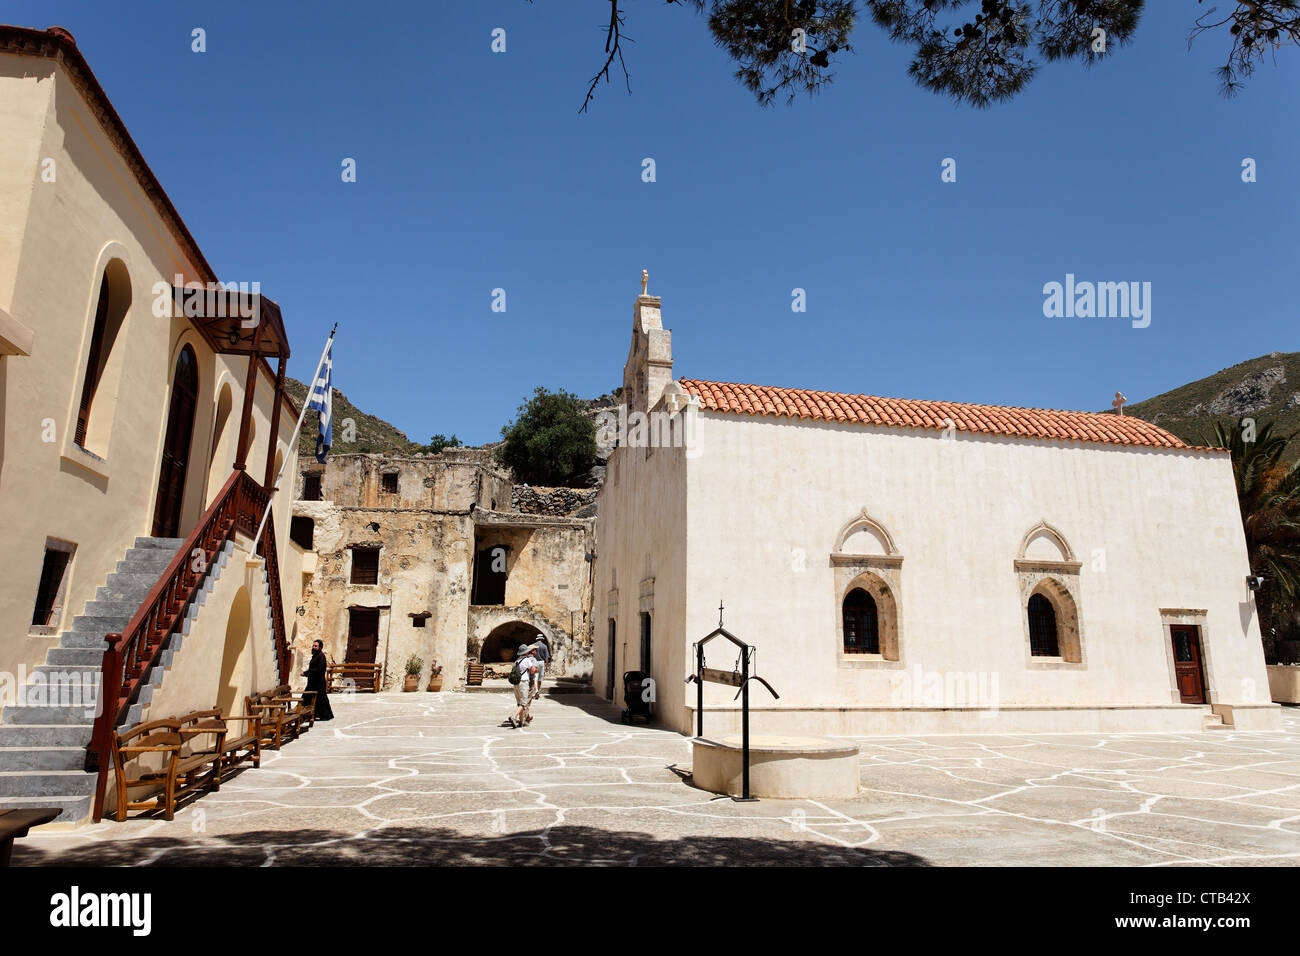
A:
[1188,672]
[176,446]
[363,635]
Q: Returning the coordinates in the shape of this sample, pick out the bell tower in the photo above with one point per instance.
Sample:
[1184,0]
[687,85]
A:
[649,365]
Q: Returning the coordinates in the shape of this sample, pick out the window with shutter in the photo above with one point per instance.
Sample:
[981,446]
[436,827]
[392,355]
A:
[365,565]
[94,363]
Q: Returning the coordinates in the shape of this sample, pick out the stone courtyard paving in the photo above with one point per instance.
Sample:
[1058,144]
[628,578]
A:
[427,779]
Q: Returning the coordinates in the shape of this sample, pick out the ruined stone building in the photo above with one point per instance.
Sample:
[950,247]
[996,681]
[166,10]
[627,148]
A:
[440,557]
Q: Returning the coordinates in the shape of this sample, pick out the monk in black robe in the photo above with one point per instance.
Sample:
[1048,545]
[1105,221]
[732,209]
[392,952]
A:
[316,681]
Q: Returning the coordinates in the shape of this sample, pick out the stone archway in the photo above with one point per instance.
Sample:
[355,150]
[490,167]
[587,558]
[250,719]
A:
[495,633]
[501,645]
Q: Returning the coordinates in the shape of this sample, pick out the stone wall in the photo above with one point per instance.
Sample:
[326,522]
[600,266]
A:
[428,532]
[558,502]
[444,482]
[424,566]
[548,584]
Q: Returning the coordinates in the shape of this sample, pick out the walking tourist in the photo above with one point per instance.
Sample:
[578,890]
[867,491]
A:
[522,675]
[543,655]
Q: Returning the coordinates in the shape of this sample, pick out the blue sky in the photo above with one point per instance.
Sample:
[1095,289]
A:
[475,172]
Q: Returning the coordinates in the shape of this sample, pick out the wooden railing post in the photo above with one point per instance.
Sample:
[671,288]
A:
[246,415]
[99,754]
[275,425]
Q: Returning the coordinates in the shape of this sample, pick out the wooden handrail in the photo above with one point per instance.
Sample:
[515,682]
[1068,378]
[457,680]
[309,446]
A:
[271,556]
[131,655]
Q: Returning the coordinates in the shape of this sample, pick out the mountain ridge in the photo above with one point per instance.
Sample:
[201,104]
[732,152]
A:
[1266,388]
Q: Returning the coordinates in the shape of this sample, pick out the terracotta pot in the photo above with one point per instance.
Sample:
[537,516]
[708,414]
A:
[435,683]
[412,682]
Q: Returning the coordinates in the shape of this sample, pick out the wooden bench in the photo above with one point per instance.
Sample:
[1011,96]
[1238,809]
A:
[366,677]
[273,725]
[16,823]
[236,748]
[473,674]
[203,734]
[181,769]
[300,709]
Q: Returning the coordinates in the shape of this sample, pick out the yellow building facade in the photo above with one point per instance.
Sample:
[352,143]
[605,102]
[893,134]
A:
[126,409]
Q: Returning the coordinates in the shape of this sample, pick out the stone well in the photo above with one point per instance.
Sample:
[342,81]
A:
[779,766]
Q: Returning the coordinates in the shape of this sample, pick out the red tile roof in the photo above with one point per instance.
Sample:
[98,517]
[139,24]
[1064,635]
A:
[912,413]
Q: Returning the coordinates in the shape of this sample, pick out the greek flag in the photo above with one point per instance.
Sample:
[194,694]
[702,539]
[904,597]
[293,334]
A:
[321,398]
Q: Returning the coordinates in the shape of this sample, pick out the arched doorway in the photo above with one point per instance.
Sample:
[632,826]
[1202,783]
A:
[176,446]
[502,644]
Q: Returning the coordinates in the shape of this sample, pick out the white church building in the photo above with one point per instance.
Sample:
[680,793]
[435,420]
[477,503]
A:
[916,567]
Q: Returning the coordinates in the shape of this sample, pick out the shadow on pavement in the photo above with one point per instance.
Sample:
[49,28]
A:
[435,846]
[605,710]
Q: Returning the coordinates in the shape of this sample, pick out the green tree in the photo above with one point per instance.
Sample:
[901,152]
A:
[438,442]
[551,441]
[1269,494]
[975,51]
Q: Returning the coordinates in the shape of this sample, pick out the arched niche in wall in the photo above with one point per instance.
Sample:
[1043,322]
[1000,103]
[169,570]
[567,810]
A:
[223,440]
[1042,542]
[234,654]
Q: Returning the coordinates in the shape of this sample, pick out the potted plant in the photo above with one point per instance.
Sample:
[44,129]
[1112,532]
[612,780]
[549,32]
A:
[435,676]
[413,667]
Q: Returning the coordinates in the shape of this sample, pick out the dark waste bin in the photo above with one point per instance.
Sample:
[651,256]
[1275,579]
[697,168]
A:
[635,707]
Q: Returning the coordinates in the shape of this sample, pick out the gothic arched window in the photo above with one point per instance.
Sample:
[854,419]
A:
[1042,628]
[861,623]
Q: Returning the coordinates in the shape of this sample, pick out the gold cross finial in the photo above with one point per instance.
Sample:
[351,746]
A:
[645,280]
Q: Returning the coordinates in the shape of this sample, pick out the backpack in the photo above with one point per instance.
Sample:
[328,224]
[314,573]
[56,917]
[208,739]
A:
[514,673]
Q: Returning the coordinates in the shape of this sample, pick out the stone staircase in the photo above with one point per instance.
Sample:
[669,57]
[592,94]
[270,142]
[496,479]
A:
[43,745]
[1212,721]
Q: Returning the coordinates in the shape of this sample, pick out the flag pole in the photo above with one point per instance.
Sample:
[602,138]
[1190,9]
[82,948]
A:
[293,442]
